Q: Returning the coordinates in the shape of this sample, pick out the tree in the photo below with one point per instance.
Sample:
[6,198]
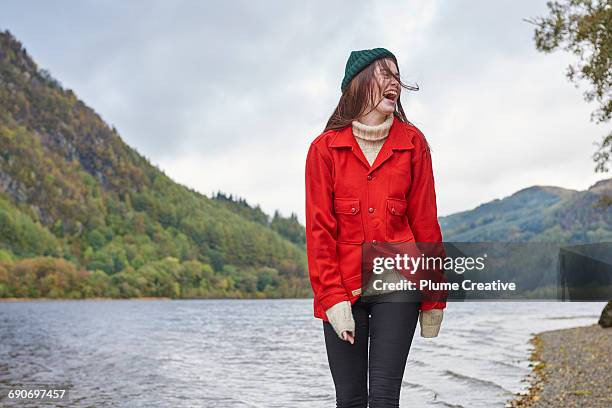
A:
[584,27]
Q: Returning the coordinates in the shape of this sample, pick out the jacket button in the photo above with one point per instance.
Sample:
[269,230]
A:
[369,177]
[393,210]
[371,209]
[373,242]
[353,209]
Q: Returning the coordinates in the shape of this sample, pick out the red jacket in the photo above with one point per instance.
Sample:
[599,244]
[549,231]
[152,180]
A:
[348,203]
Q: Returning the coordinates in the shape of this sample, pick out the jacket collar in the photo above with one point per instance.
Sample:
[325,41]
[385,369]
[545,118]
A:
[400,138]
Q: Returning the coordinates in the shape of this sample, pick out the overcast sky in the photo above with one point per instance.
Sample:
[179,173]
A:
[228,95]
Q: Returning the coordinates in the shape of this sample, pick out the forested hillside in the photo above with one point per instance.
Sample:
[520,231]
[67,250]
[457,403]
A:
[83,214]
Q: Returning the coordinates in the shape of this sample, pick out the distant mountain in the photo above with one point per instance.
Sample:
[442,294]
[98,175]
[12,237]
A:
[84,214]
[537,214]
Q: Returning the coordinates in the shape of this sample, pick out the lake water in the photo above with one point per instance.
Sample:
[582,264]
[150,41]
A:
[257,353]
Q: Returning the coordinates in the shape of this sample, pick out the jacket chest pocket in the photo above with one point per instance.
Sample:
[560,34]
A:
[397,225]
[350,225]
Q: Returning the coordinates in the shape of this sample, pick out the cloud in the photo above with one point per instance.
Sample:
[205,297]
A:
[228,95]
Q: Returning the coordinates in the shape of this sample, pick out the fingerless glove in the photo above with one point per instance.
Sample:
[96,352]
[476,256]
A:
[430,321]
[340,316]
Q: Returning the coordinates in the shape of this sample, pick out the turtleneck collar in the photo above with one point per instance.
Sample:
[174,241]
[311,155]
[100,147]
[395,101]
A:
[376,132]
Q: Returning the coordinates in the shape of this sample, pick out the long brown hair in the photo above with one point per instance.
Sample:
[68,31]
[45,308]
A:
[354,100]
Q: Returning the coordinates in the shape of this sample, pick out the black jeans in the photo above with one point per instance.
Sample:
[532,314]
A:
[389,327]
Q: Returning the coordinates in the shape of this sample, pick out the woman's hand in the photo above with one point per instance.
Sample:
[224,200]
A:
[348,336]
[340,316]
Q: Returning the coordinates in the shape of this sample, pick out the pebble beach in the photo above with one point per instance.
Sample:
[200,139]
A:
[570,368]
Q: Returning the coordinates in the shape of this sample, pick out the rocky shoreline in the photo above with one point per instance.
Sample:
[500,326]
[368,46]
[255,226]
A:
[570,368]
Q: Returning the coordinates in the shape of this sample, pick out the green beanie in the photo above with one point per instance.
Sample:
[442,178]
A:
[358,60]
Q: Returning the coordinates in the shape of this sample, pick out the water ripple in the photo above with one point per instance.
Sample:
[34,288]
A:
[255,353]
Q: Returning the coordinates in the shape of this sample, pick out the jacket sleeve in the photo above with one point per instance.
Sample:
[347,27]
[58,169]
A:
[321,230]
[422,209]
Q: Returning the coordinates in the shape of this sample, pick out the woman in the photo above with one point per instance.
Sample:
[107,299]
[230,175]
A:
[368,179]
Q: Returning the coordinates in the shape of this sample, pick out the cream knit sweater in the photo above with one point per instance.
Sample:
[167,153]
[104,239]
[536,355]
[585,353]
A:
[370,140]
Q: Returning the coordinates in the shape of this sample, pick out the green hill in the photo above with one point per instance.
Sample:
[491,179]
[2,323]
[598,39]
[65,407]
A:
[537,214]
[83,214]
